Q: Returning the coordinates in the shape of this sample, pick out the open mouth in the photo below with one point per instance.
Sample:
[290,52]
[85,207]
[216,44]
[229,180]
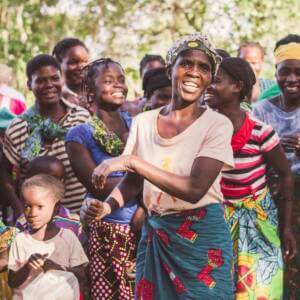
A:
[190,86]
[118,94]
[292,89]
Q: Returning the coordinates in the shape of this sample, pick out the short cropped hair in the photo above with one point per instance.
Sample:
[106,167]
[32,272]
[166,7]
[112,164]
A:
[47,182]
[39,61]
[240,70]
[148,58]
[64,45]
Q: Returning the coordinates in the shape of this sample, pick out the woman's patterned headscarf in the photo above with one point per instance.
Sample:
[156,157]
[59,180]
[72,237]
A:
[195,41]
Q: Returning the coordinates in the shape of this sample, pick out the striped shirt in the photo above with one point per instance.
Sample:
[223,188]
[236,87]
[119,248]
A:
[14,141]
[248,178]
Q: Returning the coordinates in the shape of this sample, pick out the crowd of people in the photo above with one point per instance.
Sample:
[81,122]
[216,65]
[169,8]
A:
[190,191]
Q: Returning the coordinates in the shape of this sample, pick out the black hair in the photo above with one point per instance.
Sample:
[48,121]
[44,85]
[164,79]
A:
[223,53]
[41,165]
[251,45]
[148,58]
[155,79]
[90,71]
[40,61]
[240,70]
[290,38]
[61,48]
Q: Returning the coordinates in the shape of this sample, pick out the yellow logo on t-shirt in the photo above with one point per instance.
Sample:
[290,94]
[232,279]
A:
[166,163]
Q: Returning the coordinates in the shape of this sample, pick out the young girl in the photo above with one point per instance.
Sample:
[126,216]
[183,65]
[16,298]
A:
[112,242]
[63,218]
[45,261]
[73,55]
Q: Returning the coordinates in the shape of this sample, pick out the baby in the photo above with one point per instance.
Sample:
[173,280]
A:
[45,261]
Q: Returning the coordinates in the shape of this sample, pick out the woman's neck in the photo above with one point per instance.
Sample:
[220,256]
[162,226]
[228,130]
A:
[179,109]
[53,111]
[288,103]
[235,114]
[108,116]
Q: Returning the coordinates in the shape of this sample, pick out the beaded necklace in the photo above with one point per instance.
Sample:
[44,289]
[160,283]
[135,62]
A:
[106,138]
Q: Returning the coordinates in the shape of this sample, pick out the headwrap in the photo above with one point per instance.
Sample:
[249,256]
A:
[195,41]
[41,128]
[5,118]
[288,51]
[155,79]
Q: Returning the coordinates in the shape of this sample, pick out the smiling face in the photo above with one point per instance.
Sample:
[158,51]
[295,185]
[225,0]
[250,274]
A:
[46,84]
[288,78]
[72,65]
[39,206]
[190,75]
[110,88]
[222,91]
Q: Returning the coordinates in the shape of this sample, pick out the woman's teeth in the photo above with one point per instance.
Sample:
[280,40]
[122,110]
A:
[118,94]
[292,88]
[190,86]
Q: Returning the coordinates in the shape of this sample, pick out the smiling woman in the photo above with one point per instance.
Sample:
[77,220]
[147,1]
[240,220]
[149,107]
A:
[175,154]
[283,114]
[41,130]
[72,55]
[88,145]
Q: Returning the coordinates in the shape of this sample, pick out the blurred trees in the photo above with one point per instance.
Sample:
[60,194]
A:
[126,30]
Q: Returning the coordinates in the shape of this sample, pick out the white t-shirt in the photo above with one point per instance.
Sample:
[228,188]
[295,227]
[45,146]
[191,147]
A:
[63,249]
[208,136]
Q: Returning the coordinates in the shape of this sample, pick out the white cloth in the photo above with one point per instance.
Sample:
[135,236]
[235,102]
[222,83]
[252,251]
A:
[63,249]
[208,136]
[52,285]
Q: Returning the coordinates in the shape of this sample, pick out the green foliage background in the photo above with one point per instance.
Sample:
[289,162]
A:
[126,30]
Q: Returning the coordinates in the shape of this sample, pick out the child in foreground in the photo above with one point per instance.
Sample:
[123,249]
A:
[45,262]
[63,218]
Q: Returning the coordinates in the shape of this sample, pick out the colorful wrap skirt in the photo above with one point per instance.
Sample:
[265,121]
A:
[257,250]
[112,254]
[185,256]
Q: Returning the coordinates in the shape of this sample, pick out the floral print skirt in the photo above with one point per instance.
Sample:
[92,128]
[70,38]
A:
[257,250]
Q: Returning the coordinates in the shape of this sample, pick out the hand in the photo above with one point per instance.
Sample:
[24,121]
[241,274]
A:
[51,265]
[93,209]
[36,261]
[289,243]
[100,173]
[290,143]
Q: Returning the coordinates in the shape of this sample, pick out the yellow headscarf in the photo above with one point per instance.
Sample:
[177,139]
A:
[285,52]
